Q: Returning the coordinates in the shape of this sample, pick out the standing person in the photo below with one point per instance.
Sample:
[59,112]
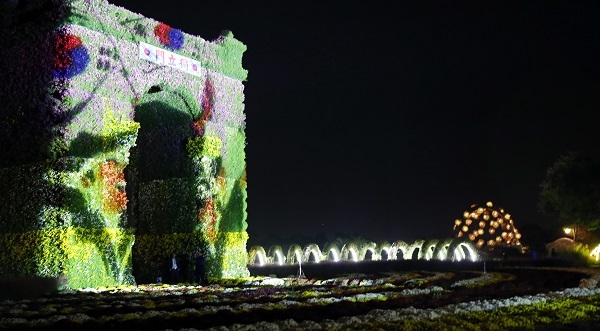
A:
[174,269]
[199,272]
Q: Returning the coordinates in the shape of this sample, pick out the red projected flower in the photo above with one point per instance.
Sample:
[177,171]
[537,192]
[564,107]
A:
[161,31]
[71,57]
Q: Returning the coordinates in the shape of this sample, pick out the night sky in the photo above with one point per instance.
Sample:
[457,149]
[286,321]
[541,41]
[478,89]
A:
[389,119]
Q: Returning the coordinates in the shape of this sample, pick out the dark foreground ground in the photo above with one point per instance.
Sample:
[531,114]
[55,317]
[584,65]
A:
[529,277]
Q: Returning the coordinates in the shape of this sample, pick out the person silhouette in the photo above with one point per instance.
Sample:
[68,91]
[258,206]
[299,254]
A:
[200,271]
[174,269]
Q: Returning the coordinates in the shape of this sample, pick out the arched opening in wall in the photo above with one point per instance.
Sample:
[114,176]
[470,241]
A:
[312,258]
[160,180]
[415,254]
[368,256]
[399,255]
[257,260]
[384,255]
[331,257]
[278,259]
[465,254]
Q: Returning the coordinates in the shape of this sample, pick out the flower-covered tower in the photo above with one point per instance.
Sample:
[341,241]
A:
[122,142]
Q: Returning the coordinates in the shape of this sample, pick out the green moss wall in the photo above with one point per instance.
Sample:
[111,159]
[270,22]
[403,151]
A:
[110,162]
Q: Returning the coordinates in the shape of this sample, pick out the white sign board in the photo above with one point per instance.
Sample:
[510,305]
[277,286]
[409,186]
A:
[163,57]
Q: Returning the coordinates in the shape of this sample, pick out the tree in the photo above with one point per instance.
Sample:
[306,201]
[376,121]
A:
[571,190]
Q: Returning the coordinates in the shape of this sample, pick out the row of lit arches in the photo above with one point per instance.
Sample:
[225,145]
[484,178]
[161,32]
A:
[456,249]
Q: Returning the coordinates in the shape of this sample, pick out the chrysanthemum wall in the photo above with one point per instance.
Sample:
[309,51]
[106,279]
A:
[122,143]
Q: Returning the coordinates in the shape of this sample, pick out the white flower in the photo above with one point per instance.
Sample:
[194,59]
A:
[273,281]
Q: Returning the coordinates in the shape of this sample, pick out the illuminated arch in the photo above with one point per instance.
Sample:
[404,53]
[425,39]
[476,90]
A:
[366,247]
[458,246]
[257,251]
[427,248]
[294,254]
[350,249]
[441,249]
[487,226]
[275,255]
[456,249]
[401,246]
[315,250]
[411,249]
[383,246]
[334,250]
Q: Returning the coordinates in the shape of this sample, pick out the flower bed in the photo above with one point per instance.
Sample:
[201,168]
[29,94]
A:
[521,298]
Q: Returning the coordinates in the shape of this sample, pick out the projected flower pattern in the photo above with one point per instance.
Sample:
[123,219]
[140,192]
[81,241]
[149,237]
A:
[71,57]
[172,38]
[488,226]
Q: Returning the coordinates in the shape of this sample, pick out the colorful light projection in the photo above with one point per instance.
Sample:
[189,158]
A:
[114,164]
[457,249]
[487,227]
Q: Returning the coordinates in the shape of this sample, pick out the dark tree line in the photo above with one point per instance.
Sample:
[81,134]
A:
[571,190]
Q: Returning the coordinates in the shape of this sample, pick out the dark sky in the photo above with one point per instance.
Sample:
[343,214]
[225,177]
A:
[389,119]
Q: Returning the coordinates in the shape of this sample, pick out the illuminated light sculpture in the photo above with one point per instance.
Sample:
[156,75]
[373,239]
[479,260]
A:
[444,250]
[382,247]
[314,250]
[399,246]
[127,145]
[441,249]
[368,247]
[412,248]
[257,252]
[275,255]
[489,220]
[350,252]
[427,248]
[294,254]
[332,250]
